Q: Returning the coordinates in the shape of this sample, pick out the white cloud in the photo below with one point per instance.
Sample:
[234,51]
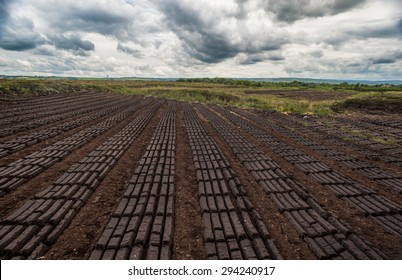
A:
[232,38]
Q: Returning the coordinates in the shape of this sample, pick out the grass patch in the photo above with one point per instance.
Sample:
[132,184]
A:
[366,134]
[286,105]
[389,141]
[10,88]
[244,94]
[195,95]
[390,102]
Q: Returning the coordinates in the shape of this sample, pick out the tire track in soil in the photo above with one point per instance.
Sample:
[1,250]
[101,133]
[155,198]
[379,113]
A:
[187,235]
[79,239]
[285,235]
[383,240]
[16,199]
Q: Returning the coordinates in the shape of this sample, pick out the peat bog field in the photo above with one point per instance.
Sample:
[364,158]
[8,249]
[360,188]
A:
[97,175]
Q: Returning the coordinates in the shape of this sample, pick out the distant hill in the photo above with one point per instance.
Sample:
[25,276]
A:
[304,80]
[326,81]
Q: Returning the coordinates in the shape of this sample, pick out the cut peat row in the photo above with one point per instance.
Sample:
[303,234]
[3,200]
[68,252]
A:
[233,229]
[384,122]
[376,153]
[79,107]
[103,176]
[33,109]
[188,229]
[366,169]
[324,234]
[28,232]
[20,171]
[372,150]
[79,239]
[142,225]
[381,129]
[329,137]
[368,202]
[28,140]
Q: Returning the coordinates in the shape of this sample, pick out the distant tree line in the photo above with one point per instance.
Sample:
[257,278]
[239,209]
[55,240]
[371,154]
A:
[293,84]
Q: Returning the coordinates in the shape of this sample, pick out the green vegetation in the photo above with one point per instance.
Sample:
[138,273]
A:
[33,87]
[371,101]
[366,134]
[298,97]
[389,141]
[296,85]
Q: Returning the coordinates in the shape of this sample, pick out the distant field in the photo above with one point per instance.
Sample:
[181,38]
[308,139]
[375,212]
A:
[299,97]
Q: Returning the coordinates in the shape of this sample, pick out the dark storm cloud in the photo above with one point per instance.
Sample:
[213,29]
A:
[17,35]
[293,10]
[209,47]
[185,37]
[252,59]
[198,37]
[316,53]
[276,58]
[20,36]
[388,58]
[384,60]
[365,32]
[399,27]
[241,8]
[3,13]
[94,19]
[201,38]
[18,43]
[130,51]
[340,37]
[44,51]
[118,19]
[256,58]
[72,43]
[340,6]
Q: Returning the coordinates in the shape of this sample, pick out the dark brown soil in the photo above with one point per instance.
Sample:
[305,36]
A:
[188,221]
[284,234]
[382,239]
[78,240]
[80,237]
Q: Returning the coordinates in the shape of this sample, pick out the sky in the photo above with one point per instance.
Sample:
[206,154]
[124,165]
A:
[336,39]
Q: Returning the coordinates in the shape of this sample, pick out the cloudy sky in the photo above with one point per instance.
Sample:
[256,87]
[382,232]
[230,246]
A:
[359,39]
